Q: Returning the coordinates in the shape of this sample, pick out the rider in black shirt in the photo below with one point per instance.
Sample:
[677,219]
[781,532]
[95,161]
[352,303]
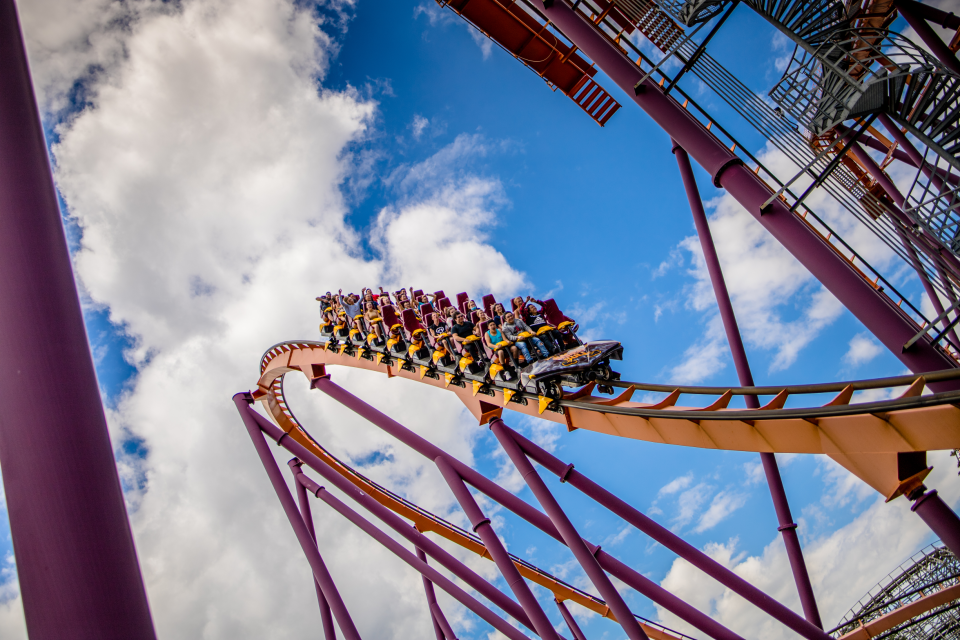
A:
[461,329]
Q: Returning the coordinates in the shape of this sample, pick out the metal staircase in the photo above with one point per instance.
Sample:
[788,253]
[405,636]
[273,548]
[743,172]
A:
[857,72]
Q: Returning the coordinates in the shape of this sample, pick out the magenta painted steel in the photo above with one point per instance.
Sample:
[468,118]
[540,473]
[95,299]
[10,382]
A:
[570,535]
[742,364]
[913,154]
[788,528]
[869,141]
[435,617]
[888,323]
[891,190]
[483,528]
[321,574]
[669,540]
[712,260]
[393,521]
[326,618]
[927,34]
[441,620]
[423,568]
[877,173]
[634,579]
[76,559]
[940,518]
[571,623]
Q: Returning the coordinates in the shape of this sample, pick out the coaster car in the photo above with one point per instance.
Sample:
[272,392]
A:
[424,342]
[589,362]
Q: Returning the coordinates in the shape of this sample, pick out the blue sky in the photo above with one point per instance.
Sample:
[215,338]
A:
[427,118]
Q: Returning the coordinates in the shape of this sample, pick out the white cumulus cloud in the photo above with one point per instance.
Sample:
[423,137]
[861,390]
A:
[204,173]
[863,349]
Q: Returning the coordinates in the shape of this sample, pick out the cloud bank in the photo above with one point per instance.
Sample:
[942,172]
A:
[203,167]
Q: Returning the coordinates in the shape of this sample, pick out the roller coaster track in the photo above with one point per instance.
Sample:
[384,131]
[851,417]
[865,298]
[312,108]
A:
[422,519]
[864,437]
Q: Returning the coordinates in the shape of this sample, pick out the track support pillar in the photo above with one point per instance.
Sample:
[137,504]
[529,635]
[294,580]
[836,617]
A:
[585,557]
[441,627]
[76,559]
[329,632]
[787,527]
[482,527]
[940,518]
[307,544]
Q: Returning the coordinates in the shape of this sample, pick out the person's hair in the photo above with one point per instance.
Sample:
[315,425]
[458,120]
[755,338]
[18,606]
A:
[509,313]
[492,323]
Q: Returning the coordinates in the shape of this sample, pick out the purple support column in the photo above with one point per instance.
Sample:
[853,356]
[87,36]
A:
[933,250]
[76,559]
[441,628]
[571,538]
[641,583]
[774,482]
[888,323]
[914,155]
[509,571]
[934,511]
[441,619]
[329,632]
[397,523]
[567,473]
[909,12]
[891,190]
[423,568]
[320,572]
[571,623]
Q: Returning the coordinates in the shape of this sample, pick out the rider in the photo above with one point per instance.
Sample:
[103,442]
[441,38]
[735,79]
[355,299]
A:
[513,327]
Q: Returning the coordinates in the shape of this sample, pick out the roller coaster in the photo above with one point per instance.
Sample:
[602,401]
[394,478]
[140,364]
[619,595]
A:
[853,90]
[847,75]
[877,441]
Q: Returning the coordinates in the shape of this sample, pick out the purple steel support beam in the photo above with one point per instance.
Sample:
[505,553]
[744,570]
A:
[914,16]
[329,632]
[891,190]
[321,574]
[888,323]
[788,528]
[571,538]
[571,623]
[567,473]
[441,619]
[423,568]
[441,628]
[934,511]
[615,567]
[898,154]
[914,155]
[395,522]
[925,281]
[76,559]
[482,527]
[878,174]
